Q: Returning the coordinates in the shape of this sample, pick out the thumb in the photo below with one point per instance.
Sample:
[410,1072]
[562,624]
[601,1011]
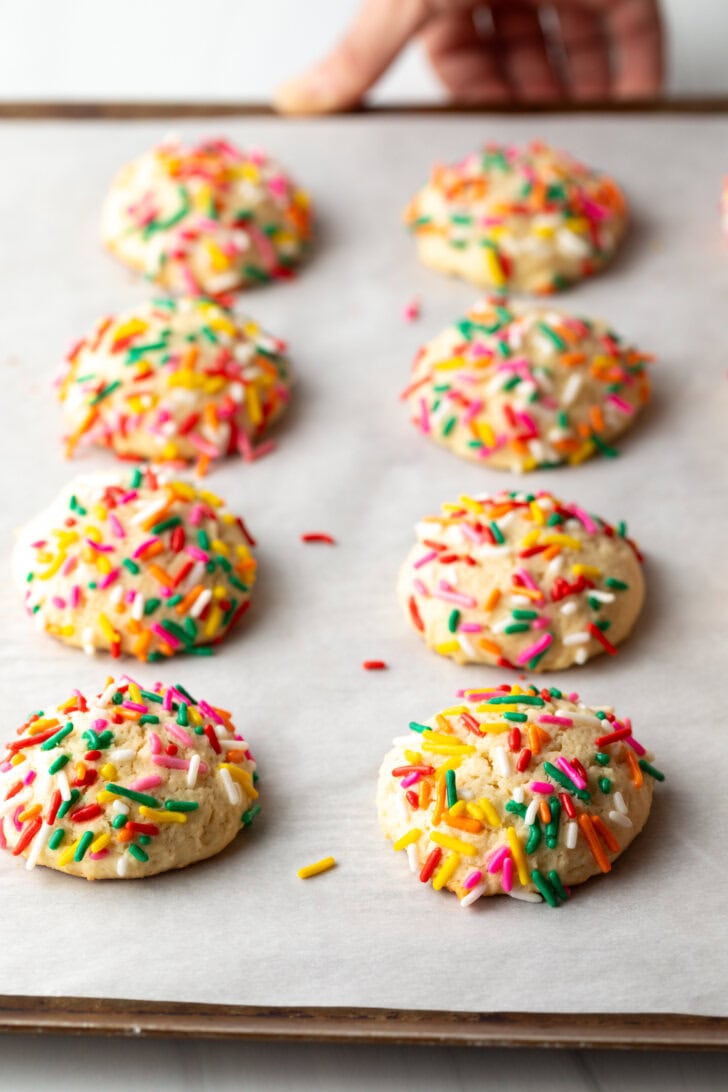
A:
[379,32]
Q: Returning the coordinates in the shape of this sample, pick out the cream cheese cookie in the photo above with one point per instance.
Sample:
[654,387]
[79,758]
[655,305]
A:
[527,220]
[206,219]
[126,783]
[136,563]
[521,580]
[515,791]
[174,380]
[518,387]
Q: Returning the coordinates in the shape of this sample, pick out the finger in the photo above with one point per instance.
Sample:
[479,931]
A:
[635,31]
[379,31]
[519,36]
[585,54]
[463,59]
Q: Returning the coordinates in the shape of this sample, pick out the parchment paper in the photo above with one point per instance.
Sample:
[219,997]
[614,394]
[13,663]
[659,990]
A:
[242,928]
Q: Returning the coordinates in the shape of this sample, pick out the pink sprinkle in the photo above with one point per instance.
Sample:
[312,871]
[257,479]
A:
[69,565]
[176,763]
[180,734]
[425,559]
[75,596]
[507,877]
[99,546]
[637,747]
[197,513]
[164,635]
[135,705]
[99,724]
[100,855]
[535,649]
[155,743]
[544,787]
[116,527]
[472,879]
[449,596]
[143,783]
[549,718]
[29,777]
[208,711]
[620,403]
[58,603]
[411,779]
[411,310]
[420,588]
[527,580]
[144,546]
[109,579]
[472,411]
[205,446]
[470,627]
[197,553]
[569,770]
[167,701]
[497,858]
[585,519]
[424,416]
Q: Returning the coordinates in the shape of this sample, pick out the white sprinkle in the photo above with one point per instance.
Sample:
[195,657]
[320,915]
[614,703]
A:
[20,798]
[412,858]
[120,807]
[473,895]
[518,793]
[116,594]
[519,601]
[87,641]
[576,638]
[568,607]
[200,603]
[525,896]
[601,596]
[230,744]
[502,761]
[144,514]
[467,646]
[192,772]
[531,812]
[571,390]
[137,610]
[121,754]
[571,835]
[107,694]
[193,577]
[500,627]
[62,784]
[619,802]
[234,794]
[620,819]
[536,449]
[581,655]
[38,842]
[122,865]
[586,720]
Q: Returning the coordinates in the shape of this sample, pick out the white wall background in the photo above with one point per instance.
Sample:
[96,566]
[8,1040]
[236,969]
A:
[241,49]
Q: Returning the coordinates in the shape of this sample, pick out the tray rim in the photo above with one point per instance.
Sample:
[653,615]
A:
[52,1015]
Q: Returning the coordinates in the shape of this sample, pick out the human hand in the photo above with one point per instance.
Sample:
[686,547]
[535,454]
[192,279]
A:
[507,50]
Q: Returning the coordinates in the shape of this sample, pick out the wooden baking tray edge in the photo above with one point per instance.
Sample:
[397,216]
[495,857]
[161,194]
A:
[100,1016]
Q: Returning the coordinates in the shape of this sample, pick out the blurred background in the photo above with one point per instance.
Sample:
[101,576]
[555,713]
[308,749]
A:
[241,49]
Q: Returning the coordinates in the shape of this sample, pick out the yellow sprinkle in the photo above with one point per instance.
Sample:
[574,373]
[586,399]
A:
[450,364]
[253,405]
[485,432]
[537,512]
[17,759]
[100,843]
[210,498]
[213,622]
[448,764]
[313,869]
[407,839]
[53,567]
[445,871]
[109,772]
[586,570]
[453,711]
[220,547]
[66,855]
[492,727]
[242,777]
[413,757]
[455,844]
[457,809]
[162,816]
[583,453]
[29,813]
[107,629]
[557,539]
[531,538]
[518,856]
[494,268]
[470,503]
[447,647]
[448,749]
[104,797]
[489,813]
[128,329]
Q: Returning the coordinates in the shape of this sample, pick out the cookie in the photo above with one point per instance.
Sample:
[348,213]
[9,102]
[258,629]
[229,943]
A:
[515,790]
[521,580]
[206,219]
[174,381]
[136,563]
[524,220]
[126,783]
[519,387]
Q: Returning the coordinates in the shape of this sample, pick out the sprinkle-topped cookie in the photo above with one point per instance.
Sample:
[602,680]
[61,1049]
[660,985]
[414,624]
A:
[206,219]
[515,791]
[136,563]
[126,783]
[175,380]
[527,220]
[521,580]
[519,387]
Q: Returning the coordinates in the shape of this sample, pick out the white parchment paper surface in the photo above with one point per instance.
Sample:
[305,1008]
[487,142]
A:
[242,928]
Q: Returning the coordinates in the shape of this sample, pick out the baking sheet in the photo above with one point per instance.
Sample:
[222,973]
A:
[241,928]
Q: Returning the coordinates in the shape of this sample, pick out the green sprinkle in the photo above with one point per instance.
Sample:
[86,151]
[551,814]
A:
[185,693]
[544,888]
[166,525]
[601,715]
[181,805]
[605,784]
[149,718]
[553,337]
[148,695]
[520,717]
[203,540]
[151,605]
[651,770]
[512,382]
[182,717]
[136,478]
[138,852]
[557,885]
[249,815]
[130,794]
[449,426]
[524,615]
[552,827]
[602,758]
[255,273]
[452,622]
[610,452]
[534,838]
[182,211]
[119,821]
[517,627]
[131,565]
[86,839]
[117,697]
[516,808]
[144,839]
[556,693]
[58,764]
[452,792]
[68,804]
[56,838]
[200,650]
[617,585]
[496,532]
[567,783]
[57,738]
[105,394]
[517,699]
[415,727]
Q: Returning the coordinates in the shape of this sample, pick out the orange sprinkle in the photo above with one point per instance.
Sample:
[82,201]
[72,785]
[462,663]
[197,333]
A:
[587,829]
[605,834]
[161,575]
[490,646]
[634,768]
[462,822]
[439,801]
[184,605]
[492,599]
[597,418]
[571,360]
[124,835]
[425,793]
[544,811]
